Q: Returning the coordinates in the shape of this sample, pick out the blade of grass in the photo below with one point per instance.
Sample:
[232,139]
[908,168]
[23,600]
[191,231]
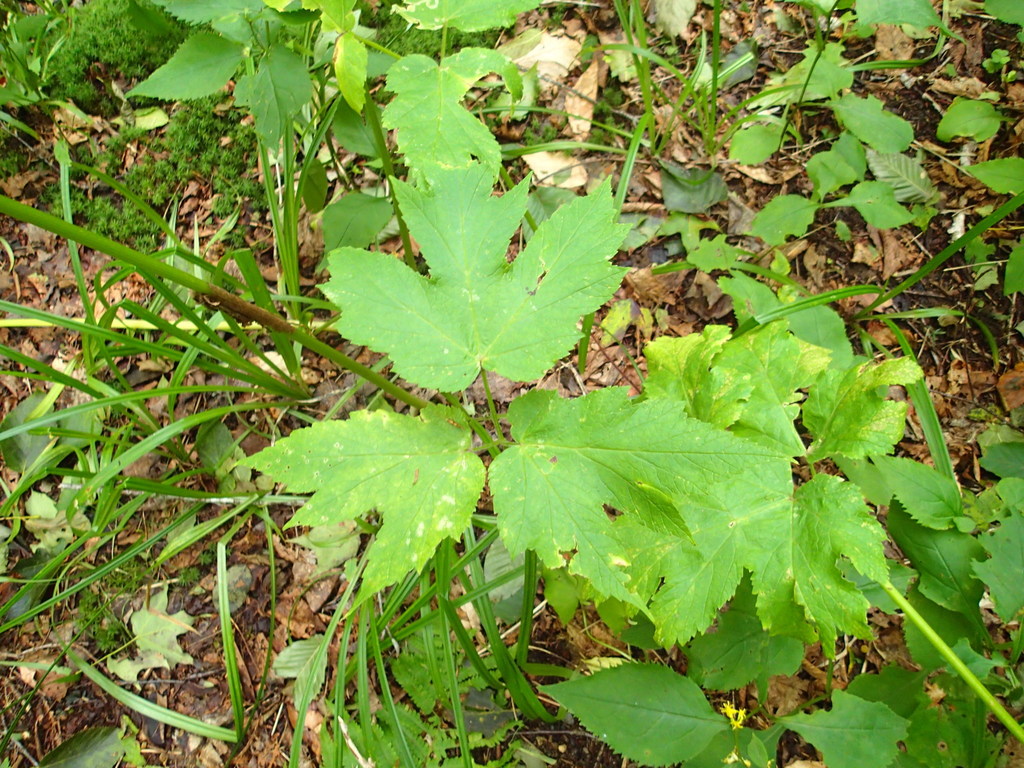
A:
[227,635]
[146,708]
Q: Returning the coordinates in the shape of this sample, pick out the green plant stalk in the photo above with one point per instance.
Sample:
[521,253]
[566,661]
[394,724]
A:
[492,408]
[948,252]
[444,577]
[304,693]
[990,701]
[228,302]
[228,639]
[379,138]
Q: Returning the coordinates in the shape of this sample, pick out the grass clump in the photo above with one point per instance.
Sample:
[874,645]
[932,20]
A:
[108,42]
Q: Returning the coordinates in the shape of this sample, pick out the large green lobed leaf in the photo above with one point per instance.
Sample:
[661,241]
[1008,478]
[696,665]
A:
[435,131]
[467,15]
[417,472]
[475,310]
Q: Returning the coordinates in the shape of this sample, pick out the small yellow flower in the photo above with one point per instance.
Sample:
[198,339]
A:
[734,757]
[736,716]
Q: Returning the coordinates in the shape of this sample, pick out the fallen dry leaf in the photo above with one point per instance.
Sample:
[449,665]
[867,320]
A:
[556,169]
[579,102]
[1011,388]
[554,56]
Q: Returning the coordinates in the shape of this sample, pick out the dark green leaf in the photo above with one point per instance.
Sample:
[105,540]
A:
[91,748]
[202,65]
[945,561]
[854,734]
[1004,459]
[20,451]
[1002,571]
[740,650]
[276,93]
[930,497]
[624,705]
[784,216]
[875,126]
[691,190]
[354,220]
[314,186]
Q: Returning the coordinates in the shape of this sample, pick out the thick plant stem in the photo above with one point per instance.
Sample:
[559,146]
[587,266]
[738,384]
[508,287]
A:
[990,701]
[210,294]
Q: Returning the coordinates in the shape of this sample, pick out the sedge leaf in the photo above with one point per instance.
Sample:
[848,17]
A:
[647,712]
[854,733]
[466,15]
[200,67]
[417,472]
[475,310]
[434,130]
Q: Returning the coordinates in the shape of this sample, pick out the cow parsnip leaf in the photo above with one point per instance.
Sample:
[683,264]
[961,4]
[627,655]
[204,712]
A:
[417,472]
[750,384]
[847,416]
[574,456]
[434,130]
[467,15]
[789,543]
[475,310]
[680,368]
